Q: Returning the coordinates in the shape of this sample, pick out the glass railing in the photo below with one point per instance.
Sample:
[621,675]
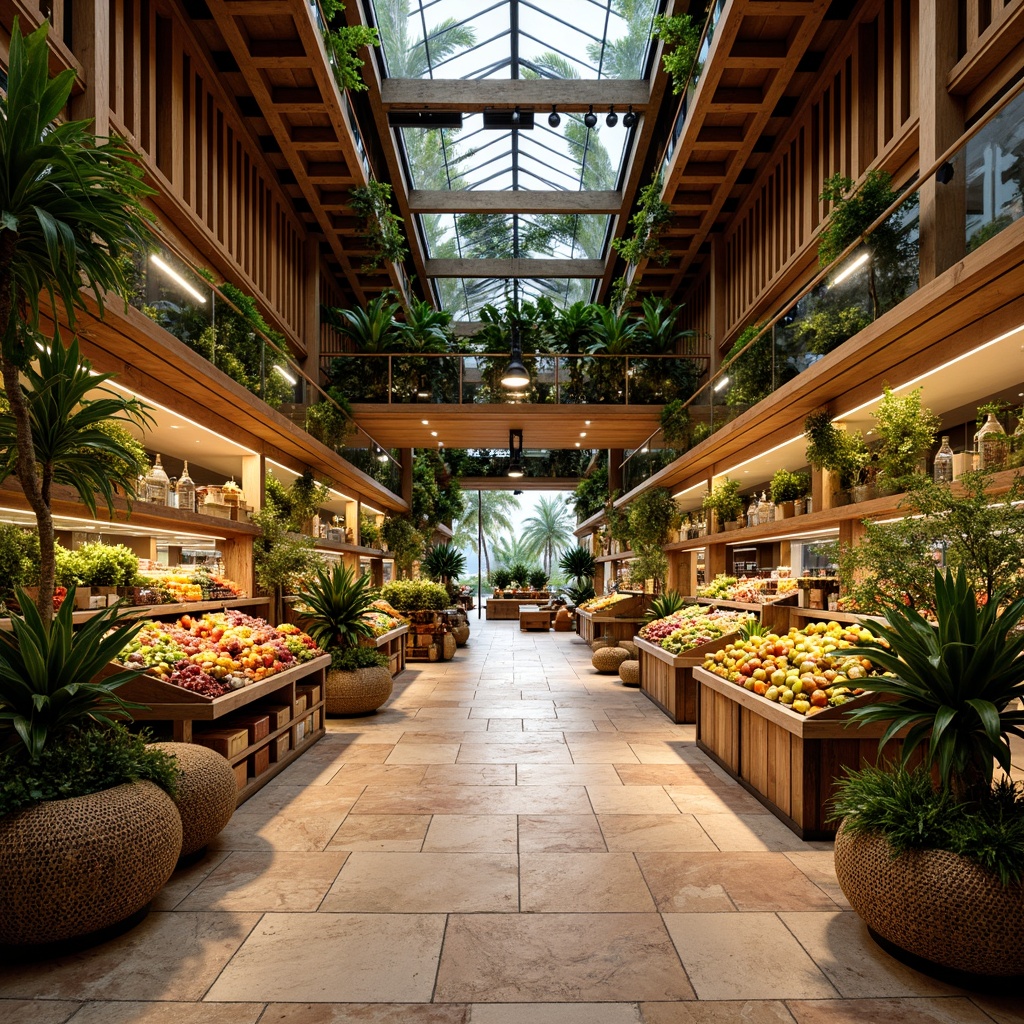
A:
[223,325]
[982,180]
[475,378]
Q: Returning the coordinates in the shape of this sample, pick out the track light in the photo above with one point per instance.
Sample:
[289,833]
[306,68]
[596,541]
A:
[629,119]
[515,453]
[515,116]
[612,119]
[553,119]
[590,118]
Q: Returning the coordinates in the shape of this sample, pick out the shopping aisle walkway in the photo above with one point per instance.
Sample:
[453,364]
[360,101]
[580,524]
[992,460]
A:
[514,840]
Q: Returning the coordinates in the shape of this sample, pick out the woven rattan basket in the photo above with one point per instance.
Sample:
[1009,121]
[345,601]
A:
[72,867]
[629,647]
[608,659]
[358,692]
[629,672]
[934,904]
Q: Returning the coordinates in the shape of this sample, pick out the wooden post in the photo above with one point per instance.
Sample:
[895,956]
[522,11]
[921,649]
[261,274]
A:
[615,456]
[310,363]
[405,458]
[254,480]
[91,33]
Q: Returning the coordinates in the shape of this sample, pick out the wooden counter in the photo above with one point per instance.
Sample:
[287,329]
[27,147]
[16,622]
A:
[667,679]
[508,607]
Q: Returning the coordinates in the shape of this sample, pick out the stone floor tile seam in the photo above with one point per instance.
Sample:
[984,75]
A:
[227,963]
[782,920]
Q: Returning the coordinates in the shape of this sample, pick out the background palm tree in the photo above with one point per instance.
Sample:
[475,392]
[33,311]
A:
[510,550]
[550,529]
[496,508]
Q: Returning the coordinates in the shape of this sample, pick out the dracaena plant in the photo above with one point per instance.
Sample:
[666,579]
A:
[953,686]
[337,600]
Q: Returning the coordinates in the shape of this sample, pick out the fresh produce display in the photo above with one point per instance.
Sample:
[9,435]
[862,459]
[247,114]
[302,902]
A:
[216,652]
[381,622]
[805,670]
[190,585]
[691,627]
[599,604]
[747,591]
[381,605]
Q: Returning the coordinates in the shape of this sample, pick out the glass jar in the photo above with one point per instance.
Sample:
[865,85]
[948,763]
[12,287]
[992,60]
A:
[157,485]
[943,471]
[991,444]
[186,490]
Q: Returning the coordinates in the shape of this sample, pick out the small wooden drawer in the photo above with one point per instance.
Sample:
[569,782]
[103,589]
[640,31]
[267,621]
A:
[279,748]
[299,707]
[260,760]
[258,726]
[229,742]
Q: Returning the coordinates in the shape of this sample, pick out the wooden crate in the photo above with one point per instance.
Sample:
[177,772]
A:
[259,761]
[787,761]
[229,742]
[667,679]
[393,645]
[279,748]
[620,621]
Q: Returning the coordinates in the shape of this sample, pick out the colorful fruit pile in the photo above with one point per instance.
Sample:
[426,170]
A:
[217,652]
[599,604]
[380,605]
[691,627]
[752,591]
[381,622]
[806,670]
[191,585]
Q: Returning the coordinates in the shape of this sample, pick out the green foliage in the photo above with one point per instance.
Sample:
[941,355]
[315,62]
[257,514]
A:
[787,486]
[651,564]
[520,573]
[382,227]
[590,495]
[501,578]
[97,565]
[652,515]
[369,531]
[725,501]
[582,591]
[444,563]
[988,230]
[437,496]
[668,603]
[281,558]
[19,557]
[752,628]
[955,687]
[307,496]
[651,218]
[907,431]
[82,762]
[997,408]
[48,672]
[676,425]
[538,579]
[413,595]
[905,808]
[828,327]
[343,44]
[348,659]
[840,451]
[330,422]
[681,36]
[337,600]
[750,374]
[577,562]
[404,541]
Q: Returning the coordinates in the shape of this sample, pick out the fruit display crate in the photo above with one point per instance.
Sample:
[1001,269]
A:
[392,644]
[619,621]
[426,633]
[166,702]
[667,679]
[774,614]
[507,608]
[789,762]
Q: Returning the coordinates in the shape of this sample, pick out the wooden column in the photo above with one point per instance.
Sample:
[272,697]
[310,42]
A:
[717,293]
[90,31]
[254,480]
[310,363]
[942,122]
[405,458]
[615,456]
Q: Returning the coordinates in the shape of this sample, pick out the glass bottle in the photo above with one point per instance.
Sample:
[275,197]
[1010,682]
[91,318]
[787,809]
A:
[943,472]
[990,442]
[752,511]
[186,490]
[157,484]
[172,492]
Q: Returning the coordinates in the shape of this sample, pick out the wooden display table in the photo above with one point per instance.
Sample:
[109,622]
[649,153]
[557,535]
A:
[272,753]
[507,608]
[787,761]
[392,644]
[774,613]
[620,621]
[535,618]
[667,679]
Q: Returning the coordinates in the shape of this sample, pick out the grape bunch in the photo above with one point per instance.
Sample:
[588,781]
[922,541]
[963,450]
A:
[191,677]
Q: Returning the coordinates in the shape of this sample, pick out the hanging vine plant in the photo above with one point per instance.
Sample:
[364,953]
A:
[343,43]
[651,218]
[681,36]
[382,227]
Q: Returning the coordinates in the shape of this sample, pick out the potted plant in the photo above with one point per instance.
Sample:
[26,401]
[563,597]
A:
[423,601]
[787,490]
[841,452]
[88,832]
[538,580]
[358,680]
[723,501]
[501,578]
[444,564]
[907,432]
[930,859]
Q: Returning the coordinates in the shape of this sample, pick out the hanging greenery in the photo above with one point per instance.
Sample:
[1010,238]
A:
[405,543]
[382,227]
[681,36]
[840,451]
[750,376]
[651,218]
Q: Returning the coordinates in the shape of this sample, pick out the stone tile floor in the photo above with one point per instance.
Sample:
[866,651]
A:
[514,839]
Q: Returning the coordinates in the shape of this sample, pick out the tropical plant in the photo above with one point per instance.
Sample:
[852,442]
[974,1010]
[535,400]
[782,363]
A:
[443,563]
[549,529]
[520,573]
[49,670]
[71,212]
[663,605]
[840,451]
[410,595]
[483,517]
[337,599]
[724,500]
[907,432]
[582,591]
[681,36]
[501,578]
[591,494]
[954,687]
[538,579]
[788,486]
[19,558]
[71,442]
[577,562]
[382,227]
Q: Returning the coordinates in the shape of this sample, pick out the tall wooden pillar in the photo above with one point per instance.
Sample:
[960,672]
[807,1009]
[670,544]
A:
[615,456]
[90,30]
[310,363]
[405,458]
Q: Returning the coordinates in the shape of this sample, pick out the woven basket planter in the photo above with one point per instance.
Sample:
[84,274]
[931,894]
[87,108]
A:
[450,644]
[461,634]
[72,867]
[935,905]
[207,793]
[608,659]
[602,641]
[629,672]
[358,692]
[629,647]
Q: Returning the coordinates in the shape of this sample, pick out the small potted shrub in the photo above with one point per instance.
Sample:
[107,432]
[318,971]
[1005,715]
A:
[907,432]
[725,504]
[788,490]
[538,580]
[931,858]
[358,680]
[444,564]
[841,452]
[501,578]
[423,602]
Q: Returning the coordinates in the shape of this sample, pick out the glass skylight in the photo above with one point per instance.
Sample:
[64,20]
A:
[507,39]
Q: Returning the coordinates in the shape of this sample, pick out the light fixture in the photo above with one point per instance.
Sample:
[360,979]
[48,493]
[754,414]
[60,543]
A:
[422,391]
[644,451]
[176,278]
[515,453]
[629,118]
[433,433]
[586,423]
[577,444]
[553,119]
[944,175]
[612,119]
[291,378]
[515,117]
[381,454]
[516,375]
[425,423]
[724,382]
[851,269]
[590,118]
[583,433]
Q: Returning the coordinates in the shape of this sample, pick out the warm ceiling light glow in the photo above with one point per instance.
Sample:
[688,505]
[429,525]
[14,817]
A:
[425,423]
[583,433]
[721,384]
[516,375]
[515,471]
[851,269]
[693,487]
[433,433]
[577,444]
[586,423]
[176,278]
[291,378]
[761,455]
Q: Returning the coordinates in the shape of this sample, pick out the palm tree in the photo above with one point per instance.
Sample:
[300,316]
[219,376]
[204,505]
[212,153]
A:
[624,57]
[550,529]
[495,509]
[72,213]
[510,550]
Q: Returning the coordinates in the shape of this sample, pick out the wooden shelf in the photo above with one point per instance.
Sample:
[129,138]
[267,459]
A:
[746,606]
[349,549]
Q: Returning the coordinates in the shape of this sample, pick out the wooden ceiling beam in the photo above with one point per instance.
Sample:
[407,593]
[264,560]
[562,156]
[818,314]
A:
[472,95]
[445,201]
[502,268]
